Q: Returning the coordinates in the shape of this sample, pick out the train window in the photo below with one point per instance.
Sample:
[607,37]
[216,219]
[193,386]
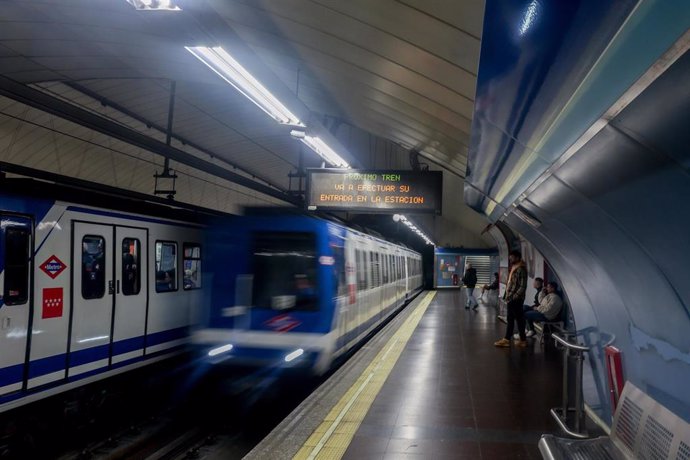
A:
[17,253]
[384,268]
[361,271]
[166,266]
[131,266]
[372,270]
[339,270]
[92,267]
[285,268]
[192,266]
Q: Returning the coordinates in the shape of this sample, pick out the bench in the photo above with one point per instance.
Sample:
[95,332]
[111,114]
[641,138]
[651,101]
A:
[546,328]
[642,429]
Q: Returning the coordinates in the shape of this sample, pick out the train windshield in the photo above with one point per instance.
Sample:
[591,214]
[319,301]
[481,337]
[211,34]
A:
[285,271]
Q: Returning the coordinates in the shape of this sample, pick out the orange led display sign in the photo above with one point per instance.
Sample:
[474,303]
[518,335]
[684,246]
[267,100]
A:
[374,191]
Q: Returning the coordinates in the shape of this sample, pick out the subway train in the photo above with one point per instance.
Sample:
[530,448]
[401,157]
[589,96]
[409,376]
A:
[92,286]
[294,291]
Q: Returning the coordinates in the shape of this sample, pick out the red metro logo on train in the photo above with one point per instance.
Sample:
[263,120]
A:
[282,323]
[53,266]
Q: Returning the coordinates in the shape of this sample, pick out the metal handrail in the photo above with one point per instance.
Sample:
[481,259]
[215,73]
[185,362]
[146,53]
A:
[560,414]
[556,415]
[565,343]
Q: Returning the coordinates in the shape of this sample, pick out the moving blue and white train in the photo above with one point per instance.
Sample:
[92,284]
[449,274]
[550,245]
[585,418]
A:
[297,291]
[92,286]
[89,287]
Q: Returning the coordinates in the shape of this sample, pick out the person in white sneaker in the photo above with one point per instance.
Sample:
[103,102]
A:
[548,309]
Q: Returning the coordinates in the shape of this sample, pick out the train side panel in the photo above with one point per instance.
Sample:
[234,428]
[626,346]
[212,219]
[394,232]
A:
[379,284]
[16,234]
[94,304]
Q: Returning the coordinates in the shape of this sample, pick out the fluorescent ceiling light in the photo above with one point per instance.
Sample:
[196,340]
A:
[321,148]
[154,5]
[218,60]
[413,227]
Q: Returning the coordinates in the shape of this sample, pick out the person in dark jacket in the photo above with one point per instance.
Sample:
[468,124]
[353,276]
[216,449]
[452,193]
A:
[469,279]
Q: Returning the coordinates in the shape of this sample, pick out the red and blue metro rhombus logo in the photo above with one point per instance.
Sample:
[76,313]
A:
[53,266]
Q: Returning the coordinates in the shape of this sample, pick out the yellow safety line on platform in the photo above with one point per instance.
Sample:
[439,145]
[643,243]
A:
[331,439]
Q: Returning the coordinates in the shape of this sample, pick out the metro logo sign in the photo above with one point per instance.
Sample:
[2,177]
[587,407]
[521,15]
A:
[282,323]
[53,266]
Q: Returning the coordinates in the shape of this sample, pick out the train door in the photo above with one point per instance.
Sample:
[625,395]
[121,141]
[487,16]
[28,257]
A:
[92,299]
[131,293]
[15,303]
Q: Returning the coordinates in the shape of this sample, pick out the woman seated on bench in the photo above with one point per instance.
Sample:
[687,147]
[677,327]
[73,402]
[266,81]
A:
[549,308]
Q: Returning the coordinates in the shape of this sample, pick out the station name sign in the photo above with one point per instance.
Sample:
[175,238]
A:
[374,191]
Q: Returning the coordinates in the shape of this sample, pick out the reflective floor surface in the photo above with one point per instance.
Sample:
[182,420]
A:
[453,395]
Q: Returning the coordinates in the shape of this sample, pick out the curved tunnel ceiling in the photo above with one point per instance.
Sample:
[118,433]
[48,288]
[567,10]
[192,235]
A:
[401,71]
[392,68]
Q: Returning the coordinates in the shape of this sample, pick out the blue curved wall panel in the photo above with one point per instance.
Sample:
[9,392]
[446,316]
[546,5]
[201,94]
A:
[615,216]
[540,87]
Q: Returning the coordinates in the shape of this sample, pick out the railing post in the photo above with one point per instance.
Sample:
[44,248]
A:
[579,403]
[560,414]
[566,354]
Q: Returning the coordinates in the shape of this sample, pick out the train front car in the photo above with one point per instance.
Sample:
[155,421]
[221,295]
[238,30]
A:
[274,293]
[292,291]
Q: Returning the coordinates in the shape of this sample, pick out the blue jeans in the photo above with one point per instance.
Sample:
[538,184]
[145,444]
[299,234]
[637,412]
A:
[533,315]
[470,301]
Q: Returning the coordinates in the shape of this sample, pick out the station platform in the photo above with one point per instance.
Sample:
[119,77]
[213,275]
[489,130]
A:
[430,385]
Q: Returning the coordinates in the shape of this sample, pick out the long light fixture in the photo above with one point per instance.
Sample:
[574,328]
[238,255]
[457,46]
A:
[226,67]
[413,227]
[321,148]
[154,5]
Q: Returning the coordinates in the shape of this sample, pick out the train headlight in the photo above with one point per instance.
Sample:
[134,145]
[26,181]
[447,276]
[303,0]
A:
[219,350]
[294,355]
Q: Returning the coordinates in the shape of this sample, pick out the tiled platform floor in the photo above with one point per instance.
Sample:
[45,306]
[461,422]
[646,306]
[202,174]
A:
[453,395]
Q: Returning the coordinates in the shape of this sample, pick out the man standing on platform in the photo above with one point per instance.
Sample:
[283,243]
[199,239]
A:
[469,279]
[515,298]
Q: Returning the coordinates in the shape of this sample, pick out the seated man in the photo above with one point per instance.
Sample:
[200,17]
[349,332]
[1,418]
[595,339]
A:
[548,309]
[538,284]
[491,287]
